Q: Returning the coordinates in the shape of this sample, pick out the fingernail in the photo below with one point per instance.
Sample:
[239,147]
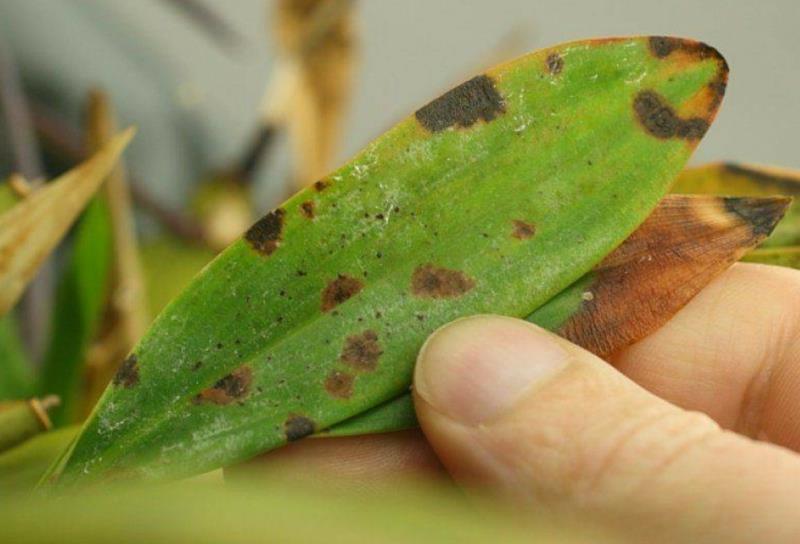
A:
[476,368]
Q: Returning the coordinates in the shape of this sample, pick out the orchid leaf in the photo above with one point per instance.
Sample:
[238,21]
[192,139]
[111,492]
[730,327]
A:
[731,179]
[684,244]
[776,256]
[30,230]
[492,198]
[16,372]
[80,296]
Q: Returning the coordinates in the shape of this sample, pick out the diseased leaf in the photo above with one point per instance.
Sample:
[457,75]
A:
[685,243]
[31,229]
[731,179]
[777,256]
[492,198]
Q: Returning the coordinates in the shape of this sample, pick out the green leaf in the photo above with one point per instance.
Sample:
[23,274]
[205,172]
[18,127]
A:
[776,256]
[16,372]
[80,298]
[492,198]
[684,244]
[281,512]
[23,466]
[21,420]
[733,179]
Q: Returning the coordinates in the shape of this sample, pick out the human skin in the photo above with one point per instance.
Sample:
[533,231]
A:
[689,435]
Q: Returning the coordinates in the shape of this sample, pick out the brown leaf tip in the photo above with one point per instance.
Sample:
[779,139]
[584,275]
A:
[362,351]
[340,290]
[297,427]
[265,235]
[429,281]
[522,229]
[307,209]
[660,120]
[555,63]
[339,384]
[234,386]
[761,214]
[476,99]
[128,374]
[664,46]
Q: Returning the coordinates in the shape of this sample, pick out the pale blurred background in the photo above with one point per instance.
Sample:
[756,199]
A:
[195,102]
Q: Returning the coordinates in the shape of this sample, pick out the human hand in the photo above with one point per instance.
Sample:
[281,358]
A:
[692,437]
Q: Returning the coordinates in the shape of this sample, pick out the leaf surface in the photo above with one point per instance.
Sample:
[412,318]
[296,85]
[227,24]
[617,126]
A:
[731,179]
[684,244]
[30,230]
[492,198]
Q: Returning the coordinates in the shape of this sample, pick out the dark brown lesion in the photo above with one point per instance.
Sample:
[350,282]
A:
[297,427]
[476,99]
[307,209]
[662,121]
[522,230]
[362,351]
[233,387]
[340,290]
[321,185]
[430,281]
[266,234]
[128,374]
[664,46]
[555,63]
[339,384]
[760,214]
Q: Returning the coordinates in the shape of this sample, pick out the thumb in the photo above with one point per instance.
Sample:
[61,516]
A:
[512,408]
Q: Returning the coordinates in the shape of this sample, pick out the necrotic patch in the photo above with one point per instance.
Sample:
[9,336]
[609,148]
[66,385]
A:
[761,214]
[463,106]
[265,235]
[339,384]
[662,46]
[339,290]
[128,374]
[307,209]
[234,386]
[429,281]
[523,230]
[659,119]
[362,351]
[555,63]
[297,427]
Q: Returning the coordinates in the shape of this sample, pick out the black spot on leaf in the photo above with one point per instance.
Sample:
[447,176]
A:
[476,99]
[297,427]
[429,281]
[660,119]
[362,351]
[128,374]
[234,386]
[339,384]
[555,63]
[265,235]
[340,290]
[522,229]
